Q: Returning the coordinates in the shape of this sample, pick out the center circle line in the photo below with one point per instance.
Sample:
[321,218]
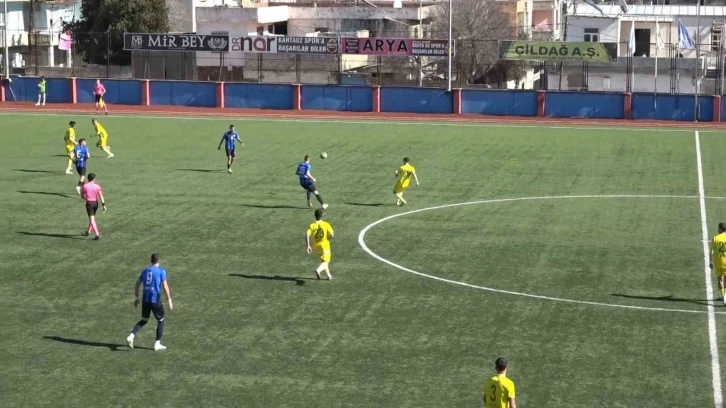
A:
[364,246]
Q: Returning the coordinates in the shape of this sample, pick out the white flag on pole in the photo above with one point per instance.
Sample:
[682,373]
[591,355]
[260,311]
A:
[631,40]
[659,44]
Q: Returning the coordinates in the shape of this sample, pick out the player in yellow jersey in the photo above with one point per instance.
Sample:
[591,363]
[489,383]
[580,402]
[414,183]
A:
[102,137]
[70,140]
[404,174]
[498,389]
[322,233]
[718,258]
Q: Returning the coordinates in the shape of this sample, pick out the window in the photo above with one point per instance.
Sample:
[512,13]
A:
[321,29]
[716,35]
[260,30]
[591,35]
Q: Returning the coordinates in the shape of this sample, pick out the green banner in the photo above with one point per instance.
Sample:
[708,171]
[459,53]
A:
[557,51]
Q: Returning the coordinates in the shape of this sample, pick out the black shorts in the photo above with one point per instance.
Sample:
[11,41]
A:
[91,207]
[81,170]
[309,186]
[230,152]
[98,98]
[157,308]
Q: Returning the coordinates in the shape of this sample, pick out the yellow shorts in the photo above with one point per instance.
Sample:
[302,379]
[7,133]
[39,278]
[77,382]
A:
[398,188]
[719,271]
[325,255]
[102,142]
[69,149]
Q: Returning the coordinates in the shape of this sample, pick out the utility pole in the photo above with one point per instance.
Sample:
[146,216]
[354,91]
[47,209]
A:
[420,35]
[6,58]
[451,48]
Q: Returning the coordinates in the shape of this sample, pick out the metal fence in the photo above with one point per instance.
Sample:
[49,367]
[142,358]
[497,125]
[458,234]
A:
[475,65]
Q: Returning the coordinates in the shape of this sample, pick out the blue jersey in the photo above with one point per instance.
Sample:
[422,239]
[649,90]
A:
[81,154]
[230,137]
[302,170]
[151,278]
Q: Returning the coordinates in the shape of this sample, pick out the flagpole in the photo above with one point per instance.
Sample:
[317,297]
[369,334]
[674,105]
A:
[722,58]
[698,59]
[655,71]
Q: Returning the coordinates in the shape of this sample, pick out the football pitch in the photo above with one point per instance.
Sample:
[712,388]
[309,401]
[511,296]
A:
[576,253]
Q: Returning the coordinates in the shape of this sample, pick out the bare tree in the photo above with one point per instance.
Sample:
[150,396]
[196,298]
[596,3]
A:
[477,27]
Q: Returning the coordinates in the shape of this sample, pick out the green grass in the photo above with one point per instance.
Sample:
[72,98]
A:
[375,336]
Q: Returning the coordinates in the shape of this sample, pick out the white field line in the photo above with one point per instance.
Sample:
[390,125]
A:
[713,345]
[362,243]
[372,120]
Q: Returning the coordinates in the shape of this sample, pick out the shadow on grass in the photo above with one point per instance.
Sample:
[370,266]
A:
[668,298]
[45,234]
[46,193]
[367,204]
[298,281]
[278,206]
[201,170]
[110,346]
[59,155]
[38,171]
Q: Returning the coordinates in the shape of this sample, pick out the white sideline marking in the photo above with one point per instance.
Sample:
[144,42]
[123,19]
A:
[361,242]
[715,364]
[373,120]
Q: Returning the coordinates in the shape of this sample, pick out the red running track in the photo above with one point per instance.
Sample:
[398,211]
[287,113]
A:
[156,110]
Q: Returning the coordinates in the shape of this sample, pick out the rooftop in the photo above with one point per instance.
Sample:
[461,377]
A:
[614,11]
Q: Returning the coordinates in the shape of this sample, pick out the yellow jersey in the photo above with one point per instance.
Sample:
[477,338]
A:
[405,173]
[321,232]
[498,389]
[718,251]
[101,131]
[70,137]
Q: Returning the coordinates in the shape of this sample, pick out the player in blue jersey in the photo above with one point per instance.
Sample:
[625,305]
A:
[229,138]
[80,156]
[153,278]
[307,181]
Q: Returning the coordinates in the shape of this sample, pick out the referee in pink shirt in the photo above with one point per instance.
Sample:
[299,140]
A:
[91,192]
[99,91]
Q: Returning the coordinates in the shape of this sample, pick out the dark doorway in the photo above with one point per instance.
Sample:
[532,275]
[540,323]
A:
[642,42]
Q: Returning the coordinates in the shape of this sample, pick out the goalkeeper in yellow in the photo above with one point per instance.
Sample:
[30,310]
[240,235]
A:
[70,140]
[322,233]
[102,137]
[404,174]
[718,258]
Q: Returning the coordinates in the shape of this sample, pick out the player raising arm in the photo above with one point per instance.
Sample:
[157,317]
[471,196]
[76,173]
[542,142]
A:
[322,233]
[307,181]
[718,258]
[498,389]
[229,138]
[153,278]
[70,139]
[404,174]
[102,137]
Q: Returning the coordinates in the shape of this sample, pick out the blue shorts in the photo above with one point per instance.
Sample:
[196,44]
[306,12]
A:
[308,185]
[81,170]
[231,152]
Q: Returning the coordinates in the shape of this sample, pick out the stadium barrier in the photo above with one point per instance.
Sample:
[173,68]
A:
[554,104]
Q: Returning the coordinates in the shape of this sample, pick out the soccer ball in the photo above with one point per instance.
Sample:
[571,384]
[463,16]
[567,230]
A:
[323,155]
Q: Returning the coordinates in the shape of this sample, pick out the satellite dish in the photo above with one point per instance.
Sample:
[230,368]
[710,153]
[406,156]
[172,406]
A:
[623,5]
[397,4]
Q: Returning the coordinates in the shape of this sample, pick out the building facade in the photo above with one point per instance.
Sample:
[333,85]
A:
[656,44]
